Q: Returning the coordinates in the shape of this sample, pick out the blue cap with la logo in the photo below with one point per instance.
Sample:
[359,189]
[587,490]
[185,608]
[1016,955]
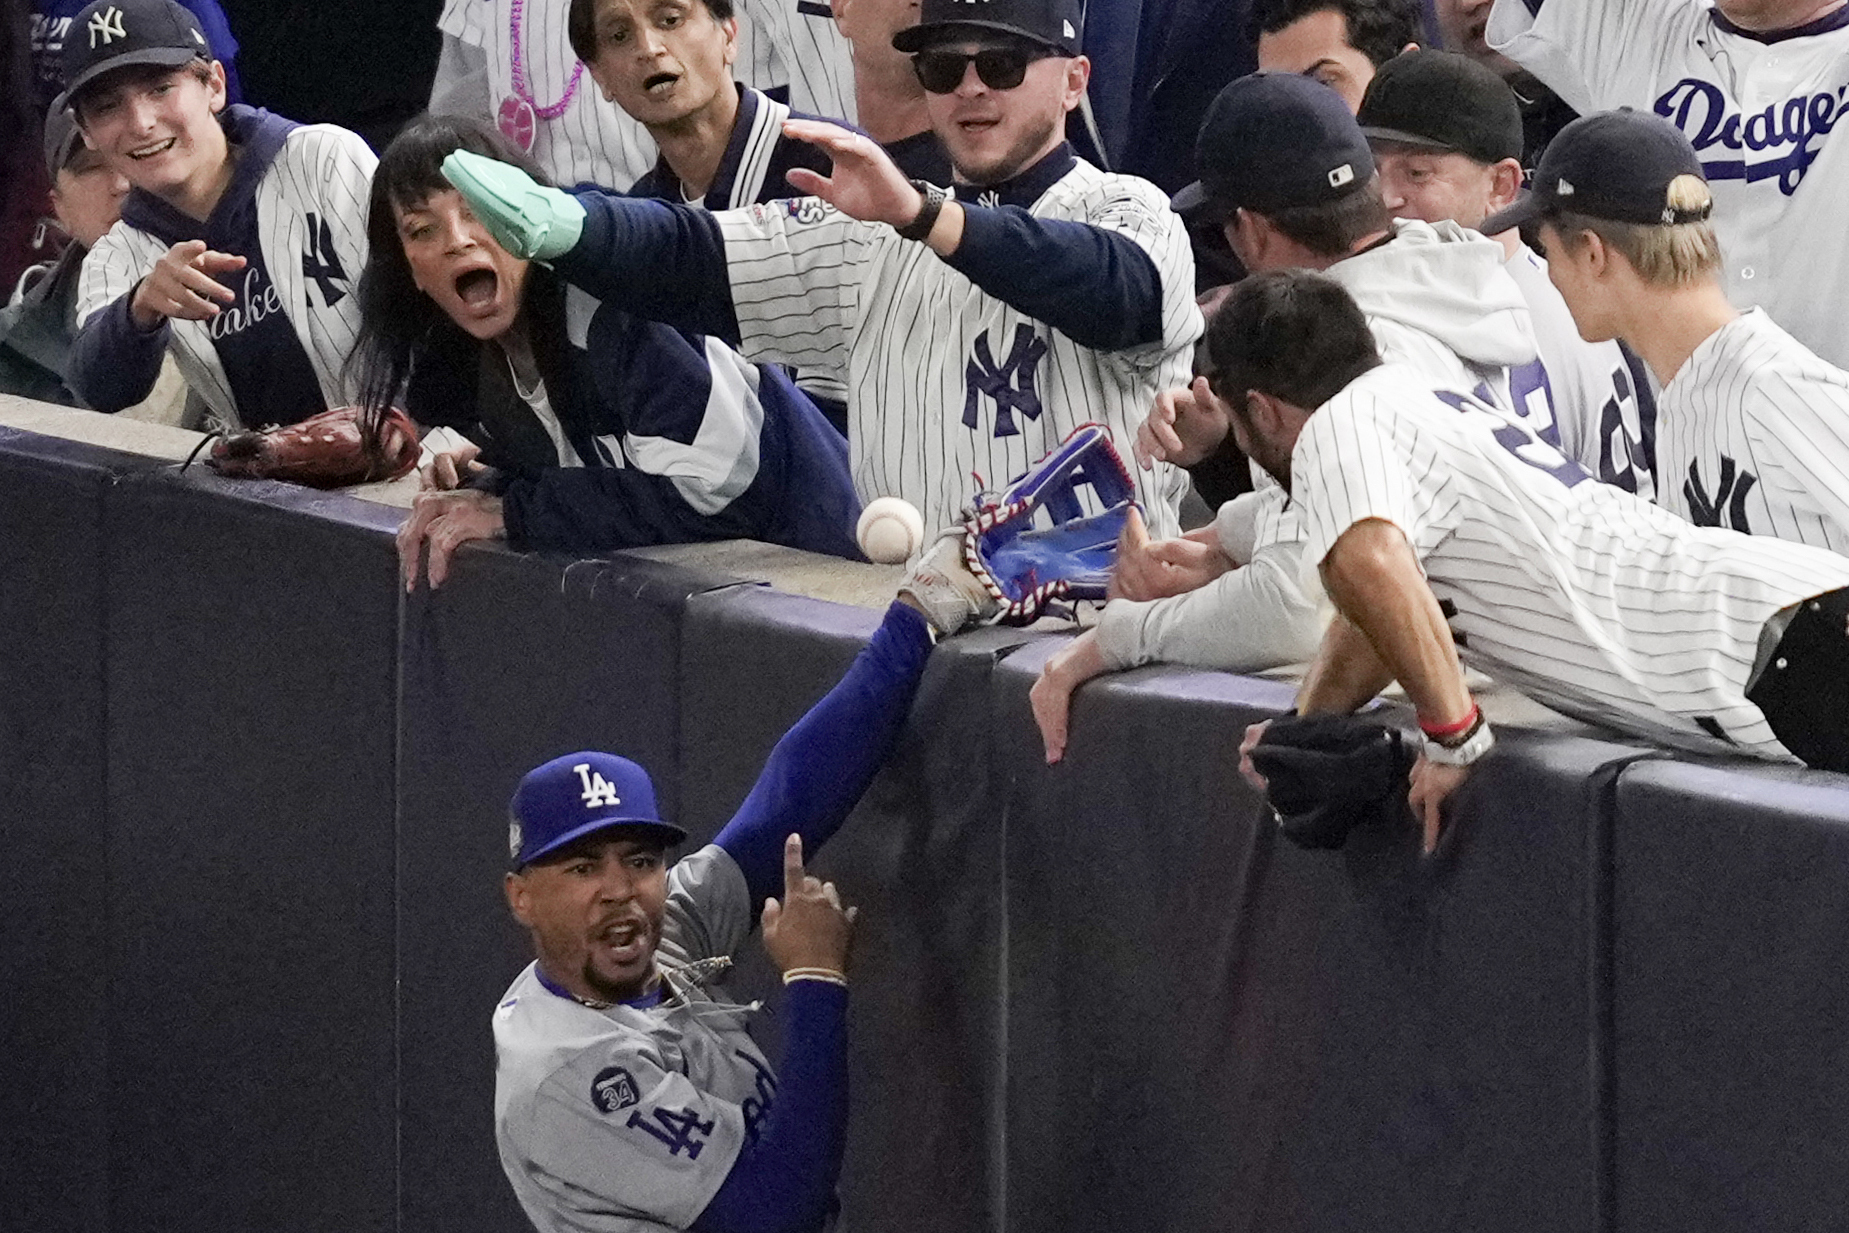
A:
[577,795]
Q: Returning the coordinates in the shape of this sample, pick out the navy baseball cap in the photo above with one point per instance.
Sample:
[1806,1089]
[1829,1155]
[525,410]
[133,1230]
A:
[113,34]
[1620,166]
[1274,140]
[1056,23]
[61,139]
[577,795]
[1440,100]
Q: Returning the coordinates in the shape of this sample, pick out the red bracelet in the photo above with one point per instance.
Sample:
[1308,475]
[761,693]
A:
[1439,732]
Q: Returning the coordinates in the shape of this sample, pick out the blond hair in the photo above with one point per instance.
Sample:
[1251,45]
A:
[1666,254]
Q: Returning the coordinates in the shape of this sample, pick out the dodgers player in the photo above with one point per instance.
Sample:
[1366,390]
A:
[240,238]
[1753,430]
[627,1096]
[1757,87]
[973,336]
[1441,529]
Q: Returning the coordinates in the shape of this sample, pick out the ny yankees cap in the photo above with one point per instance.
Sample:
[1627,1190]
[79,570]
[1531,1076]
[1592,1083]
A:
[1275,140]
[1622,166]
[1056,23]
[566,799]
[113,34]
[1443,101]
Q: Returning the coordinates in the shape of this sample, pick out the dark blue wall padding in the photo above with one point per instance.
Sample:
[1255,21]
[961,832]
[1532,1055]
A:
[251,673]
[514,661]
[1731,1007]
[53,880]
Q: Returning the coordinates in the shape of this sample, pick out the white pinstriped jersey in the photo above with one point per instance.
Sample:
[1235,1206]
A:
[1590,600]
[1754,435]
[797,42]
[943,379]
[314,193]
[594,141]
[1760,111]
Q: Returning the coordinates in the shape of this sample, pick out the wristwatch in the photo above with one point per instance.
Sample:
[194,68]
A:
[1464,748]
[934,198]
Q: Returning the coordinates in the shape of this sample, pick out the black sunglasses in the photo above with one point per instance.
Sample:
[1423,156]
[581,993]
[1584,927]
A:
[999,68]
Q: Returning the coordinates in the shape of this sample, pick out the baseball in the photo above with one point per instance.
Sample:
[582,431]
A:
[890,530]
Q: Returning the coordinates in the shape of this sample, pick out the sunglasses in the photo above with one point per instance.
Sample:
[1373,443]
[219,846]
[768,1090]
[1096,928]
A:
[999,68]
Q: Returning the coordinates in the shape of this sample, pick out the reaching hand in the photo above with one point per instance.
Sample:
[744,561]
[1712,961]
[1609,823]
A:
[1432,784]
[452,468]
[525,217]
[1183,427]
[865,183]
[809,928]
[1051,694]
[1155,569]
[446,521]
[1254,734]
[182,285]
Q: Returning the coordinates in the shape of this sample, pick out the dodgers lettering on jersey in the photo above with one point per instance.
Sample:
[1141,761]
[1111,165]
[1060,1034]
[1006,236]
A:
[1762,113]
[1601,605]
[1754,437]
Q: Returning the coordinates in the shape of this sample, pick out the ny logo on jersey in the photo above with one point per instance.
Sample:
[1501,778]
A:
[107,25]
[1011,385]
[322,263]
[680,1130]
[614,1088]
[1729,497]
[598,791]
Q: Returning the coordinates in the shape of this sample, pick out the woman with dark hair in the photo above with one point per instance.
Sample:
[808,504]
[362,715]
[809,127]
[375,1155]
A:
[595,430]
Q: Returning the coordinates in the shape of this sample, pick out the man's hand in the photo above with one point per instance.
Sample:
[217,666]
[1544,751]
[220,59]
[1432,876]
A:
[182,285]
[1432,784]
[1254,734]
[809,928]
[1051,695]
[1155,569]
[451,469]
[1183,427]
[865,185]
[446,521]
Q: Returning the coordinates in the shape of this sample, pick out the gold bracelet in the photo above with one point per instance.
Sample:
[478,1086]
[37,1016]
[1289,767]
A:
[824,974]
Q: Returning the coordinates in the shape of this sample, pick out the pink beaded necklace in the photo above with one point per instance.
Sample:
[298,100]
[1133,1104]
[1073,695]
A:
[520,114]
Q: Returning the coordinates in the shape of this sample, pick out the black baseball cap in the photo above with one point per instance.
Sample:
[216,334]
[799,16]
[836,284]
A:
[1055,23]
[61,139]
[113,34]
[577,795]
[1440,100]
[1271,141]
[1615,165]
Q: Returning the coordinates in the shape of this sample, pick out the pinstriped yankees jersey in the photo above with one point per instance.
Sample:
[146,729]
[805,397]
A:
[1592,601]
[594,141]
[796,42]
[1754,436]
[310,222]
[945,380]
[1760,110]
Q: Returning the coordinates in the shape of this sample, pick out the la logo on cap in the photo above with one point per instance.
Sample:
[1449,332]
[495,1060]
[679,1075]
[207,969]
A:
[598,791]
[1564,189]
[107,25]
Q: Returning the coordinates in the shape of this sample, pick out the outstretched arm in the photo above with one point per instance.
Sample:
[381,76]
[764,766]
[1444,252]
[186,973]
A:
[822,766]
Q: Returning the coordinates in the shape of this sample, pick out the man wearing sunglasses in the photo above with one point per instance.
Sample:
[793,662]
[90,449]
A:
[974,329]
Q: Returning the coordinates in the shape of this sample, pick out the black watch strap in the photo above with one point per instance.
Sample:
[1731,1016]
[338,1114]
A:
[934,199]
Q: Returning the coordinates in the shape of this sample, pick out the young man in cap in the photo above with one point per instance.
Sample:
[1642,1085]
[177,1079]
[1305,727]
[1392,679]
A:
[1761,89]
[1446,134]
[1341,43]
[240,237]
[1752,427]
[1441,529]
[974,332]
[38,328]
[627,1096]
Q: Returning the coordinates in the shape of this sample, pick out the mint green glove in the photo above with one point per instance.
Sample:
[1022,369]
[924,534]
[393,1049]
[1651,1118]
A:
[529,219]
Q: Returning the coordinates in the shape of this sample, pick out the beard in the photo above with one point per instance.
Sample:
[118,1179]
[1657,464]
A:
[1016,159]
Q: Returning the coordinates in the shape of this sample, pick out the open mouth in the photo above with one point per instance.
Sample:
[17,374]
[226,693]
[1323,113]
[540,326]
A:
[660,83]
[153,151]
[977,126]
[625,941]
[477,288]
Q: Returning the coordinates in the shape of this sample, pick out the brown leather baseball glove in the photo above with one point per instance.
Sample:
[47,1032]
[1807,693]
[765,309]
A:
[329,450]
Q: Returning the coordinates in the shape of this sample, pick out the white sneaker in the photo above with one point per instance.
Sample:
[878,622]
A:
[944,587]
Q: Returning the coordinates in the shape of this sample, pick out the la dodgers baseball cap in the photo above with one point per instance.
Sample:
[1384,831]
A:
[1443,101]
[1056,23]
[576,795]
[1274,140]
[113,34]
[1614,165]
